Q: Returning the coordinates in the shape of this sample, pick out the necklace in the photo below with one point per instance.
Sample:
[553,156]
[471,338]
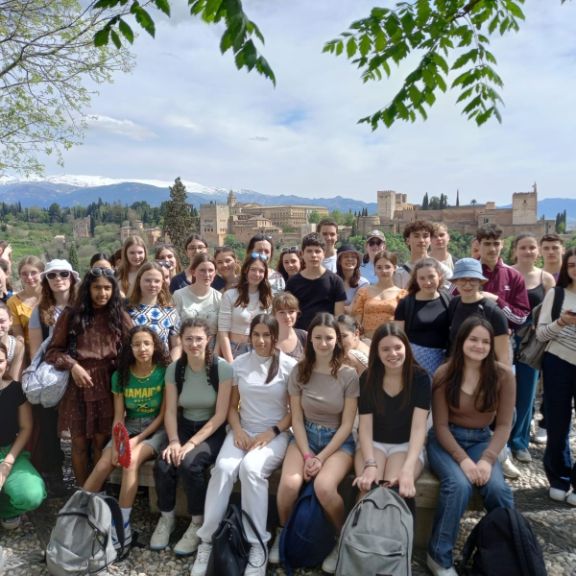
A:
[144,378]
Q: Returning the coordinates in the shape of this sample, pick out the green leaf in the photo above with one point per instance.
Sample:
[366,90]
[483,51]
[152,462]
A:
[351,47]
[101,37]
[126,31]
[515,10]
[365,45]
[115,39]
[471,55]
[144,19]
[163,5]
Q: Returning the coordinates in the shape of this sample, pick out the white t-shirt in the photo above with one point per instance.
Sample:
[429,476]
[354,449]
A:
[189,305]
[237,319]
[330,263]
[261,405]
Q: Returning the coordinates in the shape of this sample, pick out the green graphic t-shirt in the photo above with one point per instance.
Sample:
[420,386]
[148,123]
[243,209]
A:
[142,396]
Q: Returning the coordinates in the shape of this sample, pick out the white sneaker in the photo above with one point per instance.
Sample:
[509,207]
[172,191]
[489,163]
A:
[11,523]
[541,436]
[188,544]
[437,570]
[274,554]
[509,470]
[329,564]
[557,494]
[523,456]
[571,499]
[257,561]
[202,556]
[161,536]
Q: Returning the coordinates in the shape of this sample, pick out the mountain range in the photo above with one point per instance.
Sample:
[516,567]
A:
[82,190]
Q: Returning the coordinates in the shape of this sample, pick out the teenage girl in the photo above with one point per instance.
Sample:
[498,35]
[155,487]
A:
[470,392]
[323,401]
[195,245]
[355,350]
[290,262]
[167,257]
[87,340]
[291,340]
[134,254]
[138,388]
[14,346]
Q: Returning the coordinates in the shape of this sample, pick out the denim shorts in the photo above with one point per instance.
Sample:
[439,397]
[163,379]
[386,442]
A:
[319,437]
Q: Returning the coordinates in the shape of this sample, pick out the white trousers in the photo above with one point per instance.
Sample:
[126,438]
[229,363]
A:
[253,468]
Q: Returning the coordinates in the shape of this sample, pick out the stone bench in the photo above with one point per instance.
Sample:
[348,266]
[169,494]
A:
[427,489]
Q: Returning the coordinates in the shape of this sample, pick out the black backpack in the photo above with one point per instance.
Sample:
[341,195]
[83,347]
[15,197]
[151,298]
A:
[502,544]
[180,372]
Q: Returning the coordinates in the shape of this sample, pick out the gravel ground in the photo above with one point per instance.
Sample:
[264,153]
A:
[554,524]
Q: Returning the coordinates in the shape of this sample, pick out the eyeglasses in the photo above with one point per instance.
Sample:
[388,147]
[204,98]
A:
[374,242]
[98,272]
[258,256]
[61,273]
[164,263]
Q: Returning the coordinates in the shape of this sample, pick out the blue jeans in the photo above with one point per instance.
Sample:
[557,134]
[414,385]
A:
[319,437]
[526,384]
[456,489]
[559,393]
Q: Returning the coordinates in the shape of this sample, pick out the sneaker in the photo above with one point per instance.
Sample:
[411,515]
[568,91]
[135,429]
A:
[161,536]
[11,523]
[201,563]
[188,544]
[541,436]
[274,554]
[558,495]
[329,564]
[127,536]
[509,470]
[437,570]
[257,561]
[571,499]
[523,456]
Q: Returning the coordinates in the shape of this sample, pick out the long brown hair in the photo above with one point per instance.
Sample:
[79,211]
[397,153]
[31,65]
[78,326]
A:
[272,324]
[123,268]
[306,365]
[264,290]
[164,297]
[486,396]
[47,302]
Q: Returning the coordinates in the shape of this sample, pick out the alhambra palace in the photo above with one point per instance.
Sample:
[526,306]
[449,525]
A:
[288,223]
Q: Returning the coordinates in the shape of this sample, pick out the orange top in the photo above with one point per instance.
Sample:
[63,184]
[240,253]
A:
[374,311]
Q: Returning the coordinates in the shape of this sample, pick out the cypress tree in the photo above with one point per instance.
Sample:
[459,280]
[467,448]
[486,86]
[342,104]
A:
[179,222]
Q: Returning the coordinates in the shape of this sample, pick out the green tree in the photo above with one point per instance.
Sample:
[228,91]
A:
[314,217]
[54,213]
[46,52]
[446,43]
[178,218]
[73,256]
[425,202]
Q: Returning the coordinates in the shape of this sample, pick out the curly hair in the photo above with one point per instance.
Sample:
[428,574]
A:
[306,365]
[127,359]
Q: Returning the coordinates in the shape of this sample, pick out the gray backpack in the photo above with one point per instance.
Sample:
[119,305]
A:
[81,541]
[377,537]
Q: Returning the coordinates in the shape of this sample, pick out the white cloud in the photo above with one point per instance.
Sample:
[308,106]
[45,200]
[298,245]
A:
[187,111]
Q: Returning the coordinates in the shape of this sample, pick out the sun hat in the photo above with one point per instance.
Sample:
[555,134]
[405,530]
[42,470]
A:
[57,265]
[468,268]
[376,234]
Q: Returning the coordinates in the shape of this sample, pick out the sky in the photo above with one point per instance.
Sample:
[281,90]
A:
[186,111]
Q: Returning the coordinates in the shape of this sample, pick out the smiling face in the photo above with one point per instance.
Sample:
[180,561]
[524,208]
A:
[526,250]
[151,283]
[373,246]
[330,235]
[286,317]
[57,282]
[142,345]
[384,269]
[349,261]
[324,341]
[136,255]
[468,286]
[167,255]
[204,273]
[428,280]
[262,340]
[195,247]
[226,265]
[5,322]
[256,273]
[194,342]
[392,352]
[291,263]
[100,292]
[477,346]
[29,276]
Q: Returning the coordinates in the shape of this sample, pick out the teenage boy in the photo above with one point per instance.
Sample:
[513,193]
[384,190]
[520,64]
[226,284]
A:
[417,236]
[552,249]
[317,289]
[507,288]
[439,246]
[328,229]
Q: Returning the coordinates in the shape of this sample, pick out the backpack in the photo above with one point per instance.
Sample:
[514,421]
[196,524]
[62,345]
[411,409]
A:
[180,373]
[81,541]
[230,547]
[377,536]
[308,536]
[502,544]
[530,350]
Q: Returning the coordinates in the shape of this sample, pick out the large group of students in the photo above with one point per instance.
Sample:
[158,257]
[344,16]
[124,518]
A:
[334,362]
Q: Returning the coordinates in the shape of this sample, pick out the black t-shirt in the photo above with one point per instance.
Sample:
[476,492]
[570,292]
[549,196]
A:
[315,296]
[429,325]
[484,308]
[11,398]
[392,421]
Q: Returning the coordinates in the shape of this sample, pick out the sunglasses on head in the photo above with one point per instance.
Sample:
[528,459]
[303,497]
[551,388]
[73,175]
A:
[97,272]
[164,264]
[375,242]
[61,273]
[292,250]
[258,256]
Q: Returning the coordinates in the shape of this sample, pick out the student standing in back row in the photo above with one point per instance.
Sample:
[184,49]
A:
[328,229]
[317,289]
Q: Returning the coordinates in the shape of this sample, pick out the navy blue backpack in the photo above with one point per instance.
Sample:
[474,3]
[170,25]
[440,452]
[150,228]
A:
[308,536]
